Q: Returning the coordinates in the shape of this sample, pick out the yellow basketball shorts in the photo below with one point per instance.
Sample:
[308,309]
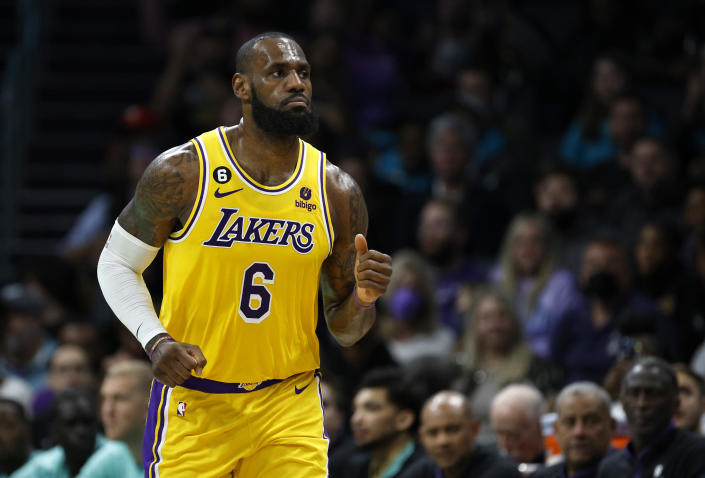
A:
[216,429]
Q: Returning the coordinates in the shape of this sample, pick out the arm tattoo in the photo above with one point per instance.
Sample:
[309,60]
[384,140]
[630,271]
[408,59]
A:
[165,191]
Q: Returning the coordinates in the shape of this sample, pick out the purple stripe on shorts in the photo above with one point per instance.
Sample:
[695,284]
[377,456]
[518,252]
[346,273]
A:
[213,386]
[151,434]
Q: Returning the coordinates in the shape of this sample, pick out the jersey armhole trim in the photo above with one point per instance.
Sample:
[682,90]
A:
[325,210]
[182,233]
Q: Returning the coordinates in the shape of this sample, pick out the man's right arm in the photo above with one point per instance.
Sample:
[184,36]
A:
[163,200]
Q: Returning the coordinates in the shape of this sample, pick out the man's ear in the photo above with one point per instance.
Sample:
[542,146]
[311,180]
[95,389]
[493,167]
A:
[404,420]
[242,87]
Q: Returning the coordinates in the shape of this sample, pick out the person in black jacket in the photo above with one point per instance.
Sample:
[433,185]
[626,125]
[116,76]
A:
[448,431]
[649,395]
[583,429]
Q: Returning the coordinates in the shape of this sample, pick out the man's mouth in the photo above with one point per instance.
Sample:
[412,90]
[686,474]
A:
[297,101]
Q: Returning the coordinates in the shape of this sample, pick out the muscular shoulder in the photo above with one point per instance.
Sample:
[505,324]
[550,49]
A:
[346,201]
[164,195]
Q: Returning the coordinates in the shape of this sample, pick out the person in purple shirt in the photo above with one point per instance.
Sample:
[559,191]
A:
[528,270]
[649,395]
[609,318]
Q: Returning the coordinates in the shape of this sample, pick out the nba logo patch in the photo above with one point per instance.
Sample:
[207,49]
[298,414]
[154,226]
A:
[181,409]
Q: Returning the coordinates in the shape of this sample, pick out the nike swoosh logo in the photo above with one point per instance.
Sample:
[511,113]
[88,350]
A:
[299,390]
[218,194]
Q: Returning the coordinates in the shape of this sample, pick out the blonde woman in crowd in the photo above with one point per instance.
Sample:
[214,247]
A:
[529,271]
[494,353]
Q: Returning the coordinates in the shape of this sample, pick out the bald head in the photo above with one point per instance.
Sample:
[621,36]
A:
[448,430]
[448,400]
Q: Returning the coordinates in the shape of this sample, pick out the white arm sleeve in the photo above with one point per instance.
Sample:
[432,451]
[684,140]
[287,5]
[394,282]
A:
[120,268]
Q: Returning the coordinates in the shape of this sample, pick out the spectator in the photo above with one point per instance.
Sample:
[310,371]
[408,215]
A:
[411,324]
[26,346]
[15,443]
[124,398]
[441,238]
[588,129]
[626,122]
[583,429]
[650,398]
[448,431]
[69,368]
[515,417]
[691,399]
[650,193]
[528,270]
[451,142]
[79,448]
[608,318]
[494,353]
[676,291]
[383,422]
[558,197]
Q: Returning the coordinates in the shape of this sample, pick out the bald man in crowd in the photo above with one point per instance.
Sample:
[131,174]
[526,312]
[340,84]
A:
[448,431]
[515,417]
[583,429]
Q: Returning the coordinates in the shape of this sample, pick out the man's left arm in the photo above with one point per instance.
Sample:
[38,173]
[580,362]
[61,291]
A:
[354,277]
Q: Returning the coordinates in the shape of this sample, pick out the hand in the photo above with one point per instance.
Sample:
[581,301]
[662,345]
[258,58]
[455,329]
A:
[372,272]
[172,362]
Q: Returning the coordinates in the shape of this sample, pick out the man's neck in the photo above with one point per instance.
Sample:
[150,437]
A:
[385,453]
[571,468]
[640,443]
[263,155]
[457,470]
[135,447]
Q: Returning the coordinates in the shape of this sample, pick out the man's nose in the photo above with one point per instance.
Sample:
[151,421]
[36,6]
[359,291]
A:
[294,82]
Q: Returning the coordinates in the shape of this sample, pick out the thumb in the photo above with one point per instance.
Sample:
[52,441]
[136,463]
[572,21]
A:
[360,244]
[197,355]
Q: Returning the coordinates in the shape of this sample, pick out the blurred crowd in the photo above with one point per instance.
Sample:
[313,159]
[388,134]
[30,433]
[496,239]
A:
[536,170]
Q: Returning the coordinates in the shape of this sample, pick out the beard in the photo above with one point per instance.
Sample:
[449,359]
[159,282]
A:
[283,123]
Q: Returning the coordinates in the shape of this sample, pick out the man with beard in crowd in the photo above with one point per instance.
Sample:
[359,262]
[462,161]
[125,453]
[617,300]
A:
[250,218]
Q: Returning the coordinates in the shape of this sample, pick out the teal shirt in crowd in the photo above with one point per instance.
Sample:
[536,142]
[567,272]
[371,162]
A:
[111,459]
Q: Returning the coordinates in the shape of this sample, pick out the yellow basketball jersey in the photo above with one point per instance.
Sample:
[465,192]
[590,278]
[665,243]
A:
[241,277]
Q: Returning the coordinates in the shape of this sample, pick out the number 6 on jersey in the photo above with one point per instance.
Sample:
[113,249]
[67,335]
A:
[256,299]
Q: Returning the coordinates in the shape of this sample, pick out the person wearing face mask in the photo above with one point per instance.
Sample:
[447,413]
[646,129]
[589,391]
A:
[610,320]
[411,326]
